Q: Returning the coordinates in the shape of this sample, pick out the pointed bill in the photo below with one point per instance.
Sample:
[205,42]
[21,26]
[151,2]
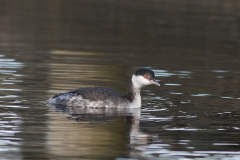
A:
[155,82]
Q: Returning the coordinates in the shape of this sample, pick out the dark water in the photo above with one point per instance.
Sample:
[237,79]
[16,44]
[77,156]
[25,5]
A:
[49,47]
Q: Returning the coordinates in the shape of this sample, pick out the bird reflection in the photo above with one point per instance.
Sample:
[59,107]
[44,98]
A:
[97,116]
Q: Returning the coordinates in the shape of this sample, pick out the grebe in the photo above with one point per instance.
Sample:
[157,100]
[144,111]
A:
[106,97]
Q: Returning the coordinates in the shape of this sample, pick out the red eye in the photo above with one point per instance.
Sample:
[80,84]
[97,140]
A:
[145,76]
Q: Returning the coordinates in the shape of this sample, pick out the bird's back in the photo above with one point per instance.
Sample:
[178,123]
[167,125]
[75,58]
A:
[90,97]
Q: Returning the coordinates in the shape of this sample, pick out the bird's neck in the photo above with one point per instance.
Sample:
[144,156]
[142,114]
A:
[133,91]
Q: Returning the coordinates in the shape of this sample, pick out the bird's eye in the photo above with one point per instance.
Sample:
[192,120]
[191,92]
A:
[145,76]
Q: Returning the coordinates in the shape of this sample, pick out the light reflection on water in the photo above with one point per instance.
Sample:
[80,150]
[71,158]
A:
[178,120]
[197,116]
[193,114]
[184,123]
[10,121]
[9,127]
[56,46]
[165,73]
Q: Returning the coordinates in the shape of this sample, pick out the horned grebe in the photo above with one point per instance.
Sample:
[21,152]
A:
[106,97]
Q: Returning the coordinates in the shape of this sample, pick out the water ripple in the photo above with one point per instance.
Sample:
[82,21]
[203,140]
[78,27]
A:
[9,96]
[200,95]
[219,71]
[165,73]
[172,84]
[9,89]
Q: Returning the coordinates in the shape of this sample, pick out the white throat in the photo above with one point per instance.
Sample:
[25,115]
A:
[135,88]
[139,81]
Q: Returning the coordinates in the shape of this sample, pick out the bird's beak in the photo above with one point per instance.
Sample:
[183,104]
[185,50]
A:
[155,82]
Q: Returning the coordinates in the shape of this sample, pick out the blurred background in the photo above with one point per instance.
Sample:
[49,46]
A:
[53,46]
[121,26]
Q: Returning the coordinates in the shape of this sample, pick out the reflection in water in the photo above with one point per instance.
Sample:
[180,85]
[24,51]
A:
[183,118]
[93,132]
[188,74]
[165,73]
[192,45]
[202,121]
[10,118]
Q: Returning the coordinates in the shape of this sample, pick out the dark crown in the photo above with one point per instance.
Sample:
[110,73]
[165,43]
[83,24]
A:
[144,71]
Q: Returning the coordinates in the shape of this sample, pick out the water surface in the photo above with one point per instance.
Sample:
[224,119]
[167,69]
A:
[50,47]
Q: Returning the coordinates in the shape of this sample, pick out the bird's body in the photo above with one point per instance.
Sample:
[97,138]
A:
[106,97]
